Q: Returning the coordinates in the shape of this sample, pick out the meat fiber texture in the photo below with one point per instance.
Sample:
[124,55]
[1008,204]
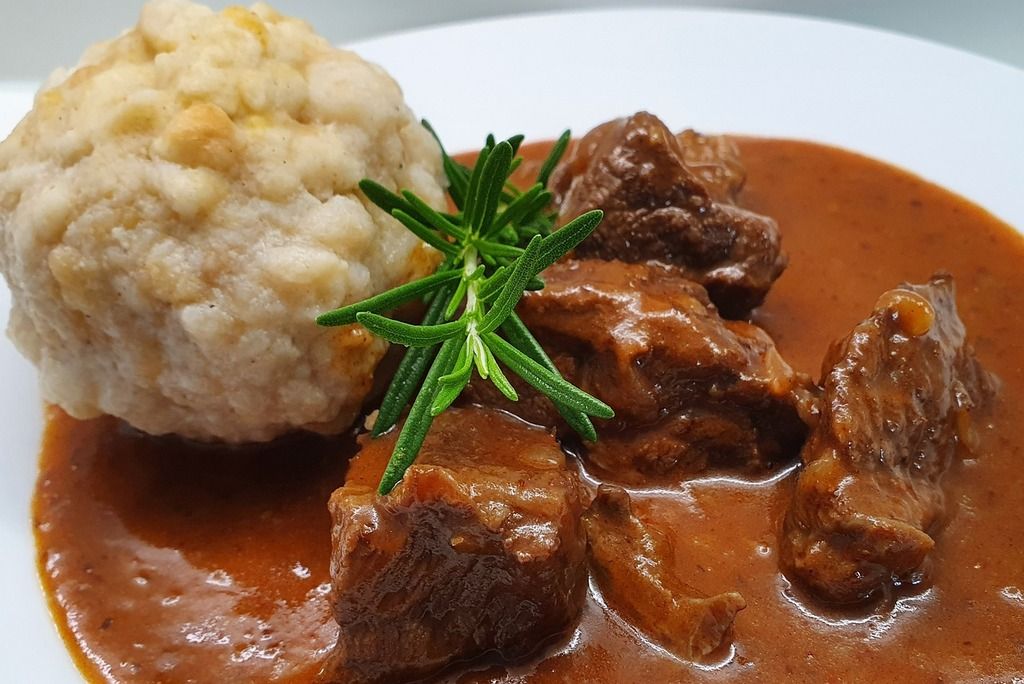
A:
[176,210]
[671,199]
[691,391]
[899,393]
[632,568]
[478,551]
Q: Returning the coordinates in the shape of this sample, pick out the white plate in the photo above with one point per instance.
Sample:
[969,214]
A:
[952,117]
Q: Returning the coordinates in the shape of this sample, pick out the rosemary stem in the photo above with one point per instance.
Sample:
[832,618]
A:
[474,310]
[470,263]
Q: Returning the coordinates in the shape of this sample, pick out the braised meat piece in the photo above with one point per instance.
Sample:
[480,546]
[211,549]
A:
[715,161]
[672,203]
[630,563]
[898,393]
[478,551]
[689,389]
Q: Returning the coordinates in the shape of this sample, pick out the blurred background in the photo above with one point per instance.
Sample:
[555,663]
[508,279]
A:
[39,35]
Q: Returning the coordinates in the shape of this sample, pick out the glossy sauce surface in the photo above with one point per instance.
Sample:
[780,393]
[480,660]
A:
[170,562]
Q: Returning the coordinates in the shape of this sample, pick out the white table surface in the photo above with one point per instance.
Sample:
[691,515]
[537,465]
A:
[38,35]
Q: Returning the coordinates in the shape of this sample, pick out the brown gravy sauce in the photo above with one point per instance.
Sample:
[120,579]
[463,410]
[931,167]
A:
[172,562]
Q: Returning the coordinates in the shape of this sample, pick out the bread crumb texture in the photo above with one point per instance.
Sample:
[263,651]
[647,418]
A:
[176,209]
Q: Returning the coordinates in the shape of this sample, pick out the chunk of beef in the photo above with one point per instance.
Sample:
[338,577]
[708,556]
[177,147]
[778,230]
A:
[898,395]
[689,389]
[479,550]
[671,203]
[631,565]
[715,161]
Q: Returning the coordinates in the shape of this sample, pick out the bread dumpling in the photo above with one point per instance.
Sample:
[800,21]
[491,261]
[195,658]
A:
[176,210]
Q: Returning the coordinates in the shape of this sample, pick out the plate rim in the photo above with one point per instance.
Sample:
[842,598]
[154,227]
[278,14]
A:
[404,33]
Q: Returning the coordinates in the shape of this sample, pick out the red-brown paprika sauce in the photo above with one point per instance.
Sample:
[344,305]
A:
[172,562]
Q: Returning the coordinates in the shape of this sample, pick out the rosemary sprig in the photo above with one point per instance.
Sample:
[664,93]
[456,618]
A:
[495,246]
